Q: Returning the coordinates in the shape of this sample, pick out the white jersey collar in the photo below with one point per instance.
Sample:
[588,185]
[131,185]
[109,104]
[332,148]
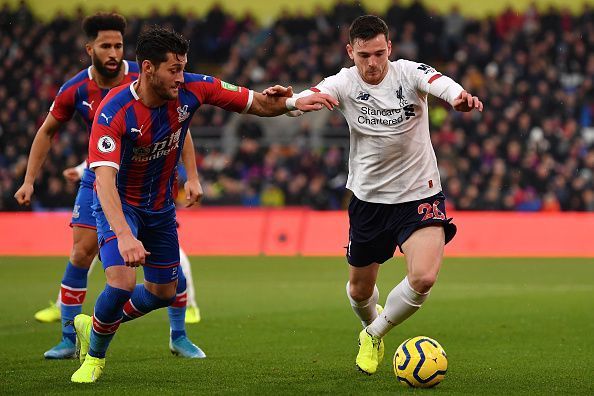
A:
[133,90]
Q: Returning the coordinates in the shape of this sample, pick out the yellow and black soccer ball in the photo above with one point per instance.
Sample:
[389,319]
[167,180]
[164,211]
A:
[420,362]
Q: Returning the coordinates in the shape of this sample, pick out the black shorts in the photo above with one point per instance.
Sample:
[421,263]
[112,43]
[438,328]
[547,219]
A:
[376,229]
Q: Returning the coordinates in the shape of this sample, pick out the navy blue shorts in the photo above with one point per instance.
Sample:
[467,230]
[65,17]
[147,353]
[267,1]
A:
[82,214]
[158,233]
[377,229]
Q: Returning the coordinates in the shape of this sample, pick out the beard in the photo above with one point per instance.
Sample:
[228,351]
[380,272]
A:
[104,71]
[159,87]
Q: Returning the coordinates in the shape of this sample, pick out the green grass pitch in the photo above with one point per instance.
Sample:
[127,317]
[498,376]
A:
[284,326]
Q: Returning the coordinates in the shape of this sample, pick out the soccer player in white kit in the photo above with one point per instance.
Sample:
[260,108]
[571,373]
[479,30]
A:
[397,195]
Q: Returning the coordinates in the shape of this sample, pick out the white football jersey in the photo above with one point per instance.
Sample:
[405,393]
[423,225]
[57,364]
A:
[391,158]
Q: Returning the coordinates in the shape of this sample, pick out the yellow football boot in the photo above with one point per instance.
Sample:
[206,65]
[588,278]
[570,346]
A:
[192,315]
[50,314]
[368,356]
[82,324]
[89,371]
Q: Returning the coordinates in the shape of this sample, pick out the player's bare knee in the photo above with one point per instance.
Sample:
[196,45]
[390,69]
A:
[119,283]
[82,257]
[83,252]
[360,291]
[422,283]
[121,277]
[163,291]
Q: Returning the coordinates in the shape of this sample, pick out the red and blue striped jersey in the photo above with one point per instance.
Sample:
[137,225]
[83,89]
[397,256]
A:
[81,94]
[144,144]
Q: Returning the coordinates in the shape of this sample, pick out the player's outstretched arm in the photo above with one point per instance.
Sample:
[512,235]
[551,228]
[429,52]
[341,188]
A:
[271,106]
[130,248]
[39,149]
[282,91]
[465,102]
[192,186]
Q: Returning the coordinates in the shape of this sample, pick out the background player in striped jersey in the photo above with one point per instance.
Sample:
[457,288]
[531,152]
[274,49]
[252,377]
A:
[52,313]
[134,148]
[82,94]
[393,174]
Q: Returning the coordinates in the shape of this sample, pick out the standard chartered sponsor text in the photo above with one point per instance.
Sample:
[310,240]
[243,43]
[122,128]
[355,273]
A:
[368,111]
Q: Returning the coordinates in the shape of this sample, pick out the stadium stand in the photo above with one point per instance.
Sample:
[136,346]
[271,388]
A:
[531,150]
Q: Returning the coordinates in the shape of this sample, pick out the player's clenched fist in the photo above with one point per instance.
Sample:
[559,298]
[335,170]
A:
[194,192]
[132,250]
[23,194]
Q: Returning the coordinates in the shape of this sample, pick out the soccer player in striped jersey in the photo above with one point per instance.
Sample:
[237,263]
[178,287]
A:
[82,94]
[397,199]
[52,313]
[135,144]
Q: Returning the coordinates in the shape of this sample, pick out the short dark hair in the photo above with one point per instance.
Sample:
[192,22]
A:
[155,42]
[367,27]
[93,24]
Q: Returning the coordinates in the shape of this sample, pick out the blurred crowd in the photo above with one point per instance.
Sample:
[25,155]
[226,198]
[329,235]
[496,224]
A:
[532,149]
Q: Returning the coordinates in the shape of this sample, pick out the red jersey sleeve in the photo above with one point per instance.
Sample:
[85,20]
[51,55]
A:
[63,106]
[212,91]
[105,143]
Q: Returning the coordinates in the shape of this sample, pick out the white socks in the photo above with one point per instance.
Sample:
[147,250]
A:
[184,262]
[402,302]
[365,310]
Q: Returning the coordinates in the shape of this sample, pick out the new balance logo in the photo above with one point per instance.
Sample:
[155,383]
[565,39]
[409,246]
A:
[89,105]
[409,111]
[363,96]
[137,130]
[106,117]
